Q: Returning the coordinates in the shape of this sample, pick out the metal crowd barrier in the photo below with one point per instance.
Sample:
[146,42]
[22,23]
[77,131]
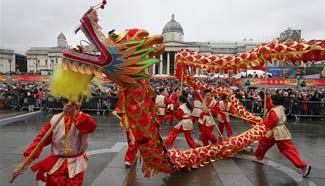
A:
[103,104]
[99,104]
[307,108]
[257,107]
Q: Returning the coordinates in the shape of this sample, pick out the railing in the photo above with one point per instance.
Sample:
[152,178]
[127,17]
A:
[257,107]
[99,104]
[103,104]
[307,108]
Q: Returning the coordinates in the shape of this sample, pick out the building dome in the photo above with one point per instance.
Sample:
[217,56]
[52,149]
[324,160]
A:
[173,26]
[61,36]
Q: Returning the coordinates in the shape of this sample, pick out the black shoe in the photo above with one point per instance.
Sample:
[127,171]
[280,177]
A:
[306,170]
[127,164]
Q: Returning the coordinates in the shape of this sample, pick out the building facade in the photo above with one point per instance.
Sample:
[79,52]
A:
[174,41]
[7,60]
[295,35]
[289,34]
[47,57]
[11,62]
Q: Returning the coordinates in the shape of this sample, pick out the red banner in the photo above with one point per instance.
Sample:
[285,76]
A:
[31,78]
[316,82]
[274,81]
[237,82]
[3,78]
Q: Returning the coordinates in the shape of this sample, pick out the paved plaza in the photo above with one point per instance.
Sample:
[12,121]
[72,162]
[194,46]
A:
[108,145]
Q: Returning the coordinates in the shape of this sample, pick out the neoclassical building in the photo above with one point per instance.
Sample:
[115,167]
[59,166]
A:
[173,33]
[12,62]
[46,57]
[7,60]
[174,41]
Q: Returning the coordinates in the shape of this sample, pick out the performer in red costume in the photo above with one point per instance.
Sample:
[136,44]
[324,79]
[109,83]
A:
[184,125]
[224,106]
[131,153]
[206,120]
[171,110]
[161,101]
[68,161]
[197,110]
[279,134]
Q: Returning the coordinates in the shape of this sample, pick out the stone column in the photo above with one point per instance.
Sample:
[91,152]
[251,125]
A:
[153,69]
[168,63]
[161,63]
[175,53]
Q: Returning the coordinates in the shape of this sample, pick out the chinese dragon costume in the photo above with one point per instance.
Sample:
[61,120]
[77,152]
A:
[125,59]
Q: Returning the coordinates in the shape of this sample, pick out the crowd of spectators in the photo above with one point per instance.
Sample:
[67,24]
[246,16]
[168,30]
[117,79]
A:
[20,94]
[309,101]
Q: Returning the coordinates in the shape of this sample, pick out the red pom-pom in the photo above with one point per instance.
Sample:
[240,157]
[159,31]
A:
[104,2]
[102,6]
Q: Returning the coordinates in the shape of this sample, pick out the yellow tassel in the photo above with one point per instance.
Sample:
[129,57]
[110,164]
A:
[69,84]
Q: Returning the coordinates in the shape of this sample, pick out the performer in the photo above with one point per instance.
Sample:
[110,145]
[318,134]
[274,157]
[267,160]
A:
[68,161]
[279,134]
[224,107]
[197,110]
[206,120]
[184,125]
[170,113]
[161,101]
[131,153]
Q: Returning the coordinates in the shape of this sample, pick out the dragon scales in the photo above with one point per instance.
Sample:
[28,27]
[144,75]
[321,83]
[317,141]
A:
[125,60]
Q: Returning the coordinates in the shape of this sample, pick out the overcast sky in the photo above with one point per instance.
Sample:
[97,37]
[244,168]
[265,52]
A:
[37,23]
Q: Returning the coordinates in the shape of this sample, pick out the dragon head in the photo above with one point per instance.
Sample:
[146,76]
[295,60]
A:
[122,58]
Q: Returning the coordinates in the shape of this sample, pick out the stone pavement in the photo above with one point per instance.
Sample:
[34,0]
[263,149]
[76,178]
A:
[108,145]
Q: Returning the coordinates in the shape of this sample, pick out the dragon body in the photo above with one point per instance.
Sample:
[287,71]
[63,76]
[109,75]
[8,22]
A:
[125,61]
